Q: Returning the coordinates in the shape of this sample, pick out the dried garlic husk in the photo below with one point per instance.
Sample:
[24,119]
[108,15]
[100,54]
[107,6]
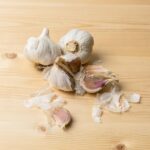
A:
[96,77]
[60,79]
[41,50]
[41,101]
[78,42]
[78,88]
[52,107]
[134,98]
[113,101]
[96,113]
[103,99]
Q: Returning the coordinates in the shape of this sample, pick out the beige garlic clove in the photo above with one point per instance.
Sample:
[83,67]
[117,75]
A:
[60,79]
[69,62]
[41,50]
[96,78]
[78,42]
[62,117]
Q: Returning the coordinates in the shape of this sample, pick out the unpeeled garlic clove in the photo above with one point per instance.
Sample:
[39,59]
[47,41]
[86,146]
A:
[95,78]
[69,62]
[78,42]
[41,50]
[60,79]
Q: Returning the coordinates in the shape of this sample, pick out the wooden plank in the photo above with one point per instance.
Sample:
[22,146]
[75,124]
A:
[122,40]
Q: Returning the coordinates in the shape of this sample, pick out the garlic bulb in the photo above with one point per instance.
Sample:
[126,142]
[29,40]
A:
[59,79]
[78,42]
[41,50]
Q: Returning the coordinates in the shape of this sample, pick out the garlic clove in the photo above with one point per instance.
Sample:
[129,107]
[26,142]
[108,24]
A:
[95,78]
[69,62]
[62,117]
[61,80]
[78,42]
[41,50]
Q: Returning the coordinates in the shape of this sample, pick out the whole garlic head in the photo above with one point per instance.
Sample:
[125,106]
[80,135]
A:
[78,42]
[61,80]
[42,50]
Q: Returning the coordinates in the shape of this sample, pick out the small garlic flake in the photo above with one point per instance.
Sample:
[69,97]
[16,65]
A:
[134,98]
[96,113]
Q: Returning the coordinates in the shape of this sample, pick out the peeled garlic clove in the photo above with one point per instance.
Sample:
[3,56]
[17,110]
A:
[78,42]
[95,78]
[62,117]
[69,62]
[59,79]
[41,50]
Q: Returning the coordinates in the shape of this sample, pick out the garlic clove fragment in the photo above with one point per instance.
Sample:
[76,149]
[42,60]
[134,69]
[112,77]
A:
[41,50]
[61,80]
[78,42]
[95,78]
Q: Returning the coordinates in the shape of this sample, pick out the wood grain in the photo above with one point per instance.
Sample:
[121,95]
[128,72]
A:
[122,40]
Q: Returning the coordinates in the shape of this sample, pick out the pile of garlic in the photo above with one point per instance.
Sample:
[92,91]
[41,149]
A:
[65,66]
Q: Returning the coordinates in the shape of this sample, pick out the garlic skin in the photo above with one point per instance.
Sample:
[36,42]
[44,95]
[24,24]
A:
[41,50]
[96,114]
[78,42]
[59,79]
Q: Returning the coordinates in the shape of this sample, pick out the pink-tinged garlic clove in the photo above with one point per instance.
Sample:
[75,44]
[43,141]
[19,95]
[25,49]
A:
[95,78]
[92,85]
[62,117]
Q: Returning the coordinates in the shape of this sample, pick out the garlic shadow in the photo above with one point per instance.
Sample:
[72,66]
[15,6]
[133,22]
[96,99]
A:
[95,57]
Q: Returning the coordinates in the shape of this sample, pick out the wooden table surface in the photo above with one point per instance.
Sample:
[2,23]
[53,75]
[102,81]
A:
[122,41]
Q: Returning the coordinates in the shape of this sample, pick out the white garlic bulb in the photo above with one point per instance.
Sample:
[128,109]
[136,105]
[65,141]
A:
[41,50]
[78,42]
[59,79]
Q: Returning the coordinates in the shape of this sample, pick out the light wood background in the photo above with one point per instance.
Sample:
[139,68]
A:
[122,41]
